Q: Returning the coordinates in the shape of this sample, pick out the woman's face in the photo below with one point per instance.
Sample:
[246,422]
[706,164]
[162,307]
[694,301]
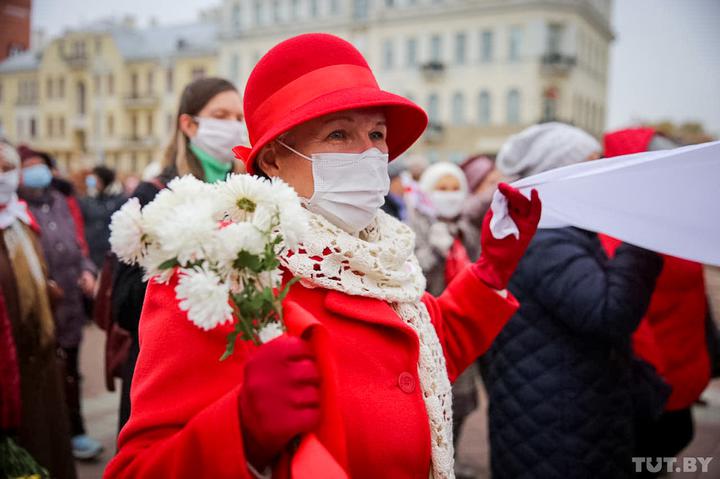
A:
[226,105]
[447,183]
[5,165]
[8,176]
[351,131]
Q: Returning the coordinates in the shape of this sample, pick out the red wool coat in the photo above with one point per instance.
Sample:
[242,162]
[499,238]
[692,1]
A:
[185,420]
[672,334]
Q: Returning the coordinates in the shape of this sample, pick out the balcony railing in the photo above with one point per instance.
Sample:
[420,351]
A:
[27,101]
[76,61]
[558,62]
[141,100]
[435,132]
[79,121]
[135,142]
[433,70]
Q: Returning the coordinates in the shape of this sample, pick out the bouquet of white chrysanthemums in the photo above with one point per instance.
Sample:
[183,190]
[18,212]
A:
[224,240]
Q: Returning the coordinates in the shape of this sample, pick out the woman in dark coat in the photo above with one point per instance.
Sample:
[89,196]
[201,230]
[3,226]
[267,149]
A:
[564,388]
[97,208]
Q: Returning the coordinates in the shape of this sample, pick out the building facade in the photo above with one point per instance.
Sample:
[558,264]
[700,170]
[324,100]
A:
[105,94]
[482,69]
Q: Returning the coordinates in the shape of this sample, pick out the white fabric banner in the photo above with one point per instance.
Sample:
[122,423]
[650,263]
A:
[666,201]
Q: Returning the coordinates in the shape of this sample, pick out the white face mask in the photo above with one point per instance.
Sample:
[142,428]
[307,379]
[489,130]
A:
[9,182]
[448,204]
[218,137]
[349,187]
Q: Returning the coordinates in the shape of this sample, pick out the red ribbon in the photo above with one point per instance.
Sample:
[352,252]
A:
[321,455]
[306,88]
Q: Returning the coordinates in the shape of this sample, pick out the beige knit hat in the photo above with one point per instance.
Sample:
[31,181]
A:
[545,147]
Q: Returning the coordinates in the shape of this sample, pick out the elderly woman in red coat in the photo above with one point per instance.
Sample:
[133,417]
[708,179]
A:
[318,120]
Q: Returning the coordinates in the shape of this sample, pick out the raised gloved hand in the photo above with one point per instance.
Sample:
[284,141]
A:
[500,257]
[280,398]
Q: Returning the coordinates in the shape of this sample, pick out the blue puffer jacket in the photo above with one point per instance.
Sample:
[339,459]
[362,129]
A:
[564,389]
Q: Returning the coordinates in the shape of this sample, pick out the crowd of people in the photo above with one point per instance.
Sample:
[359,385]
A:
[592,351]
[50,266]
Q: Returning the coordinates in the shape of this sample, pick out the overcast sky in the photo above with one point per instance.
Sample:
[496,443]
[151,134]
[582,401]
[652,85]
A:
[665,61]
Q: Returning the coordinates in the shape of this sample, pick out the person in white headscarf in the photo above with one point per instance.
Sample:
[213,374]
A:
[11,209]
[443,229]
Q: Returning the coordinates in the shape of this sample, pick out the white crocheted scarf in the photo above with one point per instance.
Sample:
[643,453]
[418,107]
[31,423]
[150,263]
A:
[380,263]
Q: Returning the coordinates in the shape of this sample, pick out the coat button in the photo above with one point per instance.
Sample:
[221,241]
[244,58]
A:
[406,382]
[52,225]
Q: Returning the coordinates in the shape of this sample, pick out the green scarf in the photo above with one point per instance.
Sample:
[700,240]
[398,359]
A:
[214,170]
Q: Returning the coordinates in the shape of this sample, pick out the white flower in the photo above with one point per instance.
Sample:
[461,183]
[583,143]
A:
[293,217]
[241,194]
[189,187]
[204,297]
[270,331]
[266,217]
[236,237]
[180,192]
[126,232]
[152,259]
[187,231]
[159,209]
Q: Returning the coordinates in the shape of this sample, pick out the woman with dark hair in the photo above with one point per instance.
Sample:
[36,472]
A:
[208,124]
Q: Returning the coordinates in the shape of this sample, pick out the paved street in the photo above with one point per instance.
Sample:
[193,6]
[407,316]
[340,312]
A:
[100,409]
[474,446]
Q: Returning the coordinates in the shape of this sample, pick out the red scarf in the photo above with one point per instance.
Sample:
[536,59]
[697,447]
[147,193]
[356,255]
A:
[9,374]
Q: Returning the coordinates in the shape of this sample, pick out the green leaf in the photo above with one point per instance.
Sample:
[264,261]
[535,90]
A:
[230,345]
[169,264]
[286,289]
[249,261]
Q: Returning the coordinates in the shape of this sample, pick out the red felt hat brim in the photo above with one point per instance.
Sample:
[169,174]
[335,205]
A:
[405,120]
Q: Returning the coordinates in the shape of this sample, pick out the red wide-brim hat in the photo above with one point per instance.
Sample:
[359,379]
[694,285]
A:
[312,75]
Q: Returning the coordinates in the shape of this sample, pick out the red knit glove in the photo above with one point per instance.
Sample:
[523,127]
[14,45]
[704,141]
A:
[500,257]
[280,398]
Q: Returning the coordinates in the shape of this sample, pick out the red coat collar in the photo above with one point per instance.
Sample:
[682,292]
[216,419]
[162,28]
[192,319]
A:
[364,309]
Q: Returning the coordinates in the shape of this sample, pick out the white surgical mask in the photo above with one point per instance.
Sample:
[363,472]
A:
[349,187]
[8,185]
[218,137]
[448,204]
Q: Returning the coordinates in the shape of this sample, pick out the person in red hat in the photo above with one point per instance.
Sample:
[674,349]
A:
[672,336]
[317,119]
